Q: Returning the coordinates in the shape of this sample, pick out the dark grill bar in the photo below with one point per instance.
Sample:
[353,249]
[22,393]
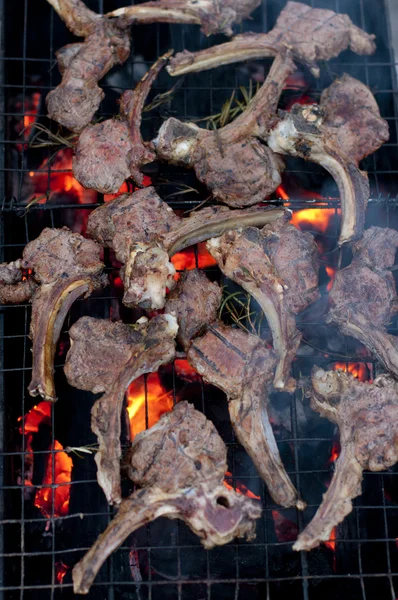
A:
[41,539]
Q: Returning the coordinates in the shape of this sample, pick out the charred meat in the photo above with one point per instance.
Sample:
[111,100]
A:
[233,162]
[363,298]
[313,34]
[241,366]
[131,351]
[278,267]
[367,417]
[111,151]
[180,464]
[195,301]
[144,233]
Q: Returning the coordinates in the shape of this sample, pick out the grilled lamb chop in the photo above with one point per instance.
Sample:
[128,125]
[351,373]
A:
[241,366]
[195,301]
[232,161]
[64,266]
[130,352]
[212,15]
[363,298]
[111,151]
[278,267]
[144,233]
[367,417]
[180,464]
[312,34]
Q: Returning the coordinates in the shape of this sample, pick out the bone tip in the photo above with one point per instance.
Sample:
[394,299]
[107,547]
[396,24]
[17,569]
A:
[172,323]
[300,504]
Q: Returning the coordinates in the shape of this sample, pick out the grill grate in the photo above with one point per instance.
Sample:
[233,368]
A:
[165,560]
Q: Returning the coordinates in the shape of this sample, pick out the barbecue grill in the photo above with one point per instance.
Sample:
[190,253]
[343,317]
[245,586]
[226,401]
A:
[51,507]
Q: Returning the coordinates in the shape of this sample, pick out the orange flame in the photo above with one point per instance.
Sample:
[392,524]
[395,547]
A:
[61,570]
[331,273]
[358,370]
[240,487]
[335,453]
[317,219]
[184,370]
[24,127]
[40,413]
[159,401]
[46,496]
[331,544]
[125,188]
[187,260]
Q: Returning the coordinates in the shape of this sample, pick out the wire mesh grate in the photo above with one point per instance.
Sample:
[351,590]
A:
[165,560]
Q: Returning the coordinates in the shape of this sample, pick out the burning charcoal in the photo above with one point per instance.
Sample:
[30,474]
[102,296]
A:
[232,161]
[312,34]
[363,298]
[111,151]
[180,464]
[144,233]
[212,15]
[367,417]
[241,366]
[278,267]
[131,351]
[196,302]
[66,266]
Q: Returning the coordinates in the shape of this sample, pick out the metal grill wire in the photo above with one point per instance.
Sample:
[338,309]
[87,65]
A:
[172,564]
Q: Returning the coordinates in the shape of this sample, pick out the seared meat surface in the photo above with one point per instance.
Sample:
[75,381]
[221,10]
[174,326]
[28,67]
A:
[352,118]
[212,15]
[131,351]
[195,302]
[312,34]
[232,161]
[111,151]
[278,267]
[64,266]
[241,366]
[363,298]
[180,464]
[144,233]
[367,417]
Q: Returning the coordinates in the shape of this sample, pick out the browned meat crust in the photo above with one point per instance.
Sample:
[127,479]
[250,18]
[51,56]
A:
[278,267]
[312,34]
[195,302]
[131,351]
[14,289]
[367,417]
[212,15]
[242,367]
[232,161]
[363,298]
[111,151]
[180,464]
[144,233]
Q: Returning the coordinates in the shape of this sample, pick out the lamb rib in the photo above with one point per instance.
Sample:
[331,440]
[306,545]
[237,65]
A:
[180,464]
[111,151]
[130,352]
[367,417]
[241,366]
[313,34]
[232,161]
[363,298]
[144,233]
[212,15]
[278,267]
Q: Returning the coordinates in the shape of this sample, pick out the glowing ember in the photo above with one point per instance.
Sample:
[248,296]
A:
[61,570]
[126,188]
[184,370]
[240,487]
[24,128]
[331,544]
[187,260]
[159,401]
[331,273]
[358,370]
[59,472]
[285,530]
[335,453]
[37,415]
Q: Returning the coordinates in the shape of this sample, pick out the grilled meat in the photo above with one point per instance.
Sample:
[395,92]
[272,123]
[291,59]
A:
[313,34]
[111,151]
[278,267]
[241,366]
[195,301]
[144,233]
[352,118]
[212,15]
[363,298]
[63,266]
[180,464]
[367,417]
[130,352]
[232,161]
